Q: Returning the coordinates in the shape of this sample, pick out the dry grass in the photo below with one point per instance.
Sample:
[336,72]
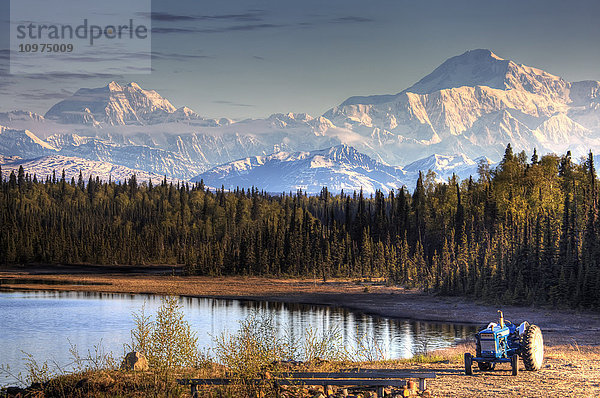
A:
[109,384]
[569,371]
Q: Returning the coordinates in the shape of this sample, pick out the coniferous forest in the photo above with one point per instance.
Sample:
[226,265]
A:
[524,232]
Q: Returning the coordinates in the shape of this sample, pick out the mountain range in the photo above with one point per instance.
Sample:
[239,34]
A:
[338,168]
[466,111]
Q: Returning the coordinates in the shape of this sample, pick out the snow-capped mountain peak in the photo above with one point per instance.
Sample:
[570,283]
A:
[483,67]
[473,68]
[347,154]
[475,103]
[114,86]
[441,164]
[114,105]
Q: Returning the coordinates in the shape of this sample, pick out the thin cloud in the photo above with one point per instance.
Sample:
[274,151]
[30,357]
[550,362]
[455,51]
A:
[46,95]
[256,15]
[173,56]
[250,16]
[167,23]
[174,30]
[64,75]
[166,17]
[230,103]
[233,28]
[352,19]
[251,27]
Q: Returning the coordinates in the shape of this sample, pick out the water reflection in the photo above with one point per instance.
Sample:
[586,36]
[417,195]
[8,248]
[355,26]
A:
[43,323]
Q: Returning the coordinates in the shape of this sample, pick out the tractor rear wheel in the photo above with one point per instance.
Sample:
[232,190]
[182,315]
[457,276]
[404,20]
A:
[468,364]
[485,366]
[532,348]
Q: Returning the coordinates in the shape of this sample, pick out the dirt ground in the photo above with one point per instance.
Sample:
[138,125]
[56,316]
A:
[568,371]
[572,338]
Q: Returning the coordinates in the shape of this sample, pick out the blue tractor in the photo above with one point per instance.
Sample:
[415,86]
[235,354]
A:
[505,342]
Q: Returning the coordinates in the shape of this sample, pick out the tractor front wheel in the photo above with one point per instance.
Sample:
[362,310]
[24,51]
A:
[532,348]
[468,364]
[514,364]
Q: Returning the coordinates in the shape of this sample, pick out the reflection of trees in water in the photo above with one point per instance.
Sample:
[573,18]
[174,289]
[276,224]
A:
[395,338]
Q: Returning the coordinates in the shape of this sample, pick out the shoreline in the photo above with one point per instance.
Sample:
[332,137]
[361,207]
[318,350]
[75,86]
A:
[253,299]
[373,298]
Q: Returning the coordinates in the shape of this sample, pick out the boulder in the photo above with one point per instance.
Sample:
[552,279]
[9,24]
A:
[135,361]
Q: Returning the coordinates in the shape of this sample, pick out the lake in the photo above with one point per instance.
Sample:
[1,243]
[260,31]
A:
[44,324]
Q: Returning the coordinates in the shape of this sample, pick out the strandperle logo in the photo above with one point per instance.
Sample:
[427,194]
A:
[108,37]
[83,31]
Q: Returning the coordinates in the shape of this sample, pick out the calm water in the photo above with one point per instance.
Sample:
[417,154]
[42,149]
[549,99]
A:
[43,324]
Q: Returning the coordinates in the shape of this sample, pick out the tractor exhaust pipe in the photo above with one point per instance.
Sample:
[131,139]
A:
[501,319]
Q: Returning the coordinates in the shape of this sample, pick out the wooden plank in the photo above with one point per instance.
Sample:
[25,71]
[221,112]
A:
[308,382]
[383,370]
[396,379]
[342,382]
[219,382]
[416,373]
[372,370]
[209,382]
[357,375]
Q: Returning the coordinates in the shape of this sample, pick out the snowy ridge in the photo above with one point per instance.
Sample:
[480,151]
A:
[20,115]
[46,166]
[22,143]
[338,168]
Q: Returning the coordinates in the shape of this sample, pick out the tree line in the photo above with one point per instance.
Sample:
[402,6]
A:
[526,231]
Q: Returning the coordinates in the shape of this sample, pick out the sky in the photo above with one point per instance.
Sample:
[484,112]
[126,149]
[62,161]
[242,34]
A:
[249,59]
